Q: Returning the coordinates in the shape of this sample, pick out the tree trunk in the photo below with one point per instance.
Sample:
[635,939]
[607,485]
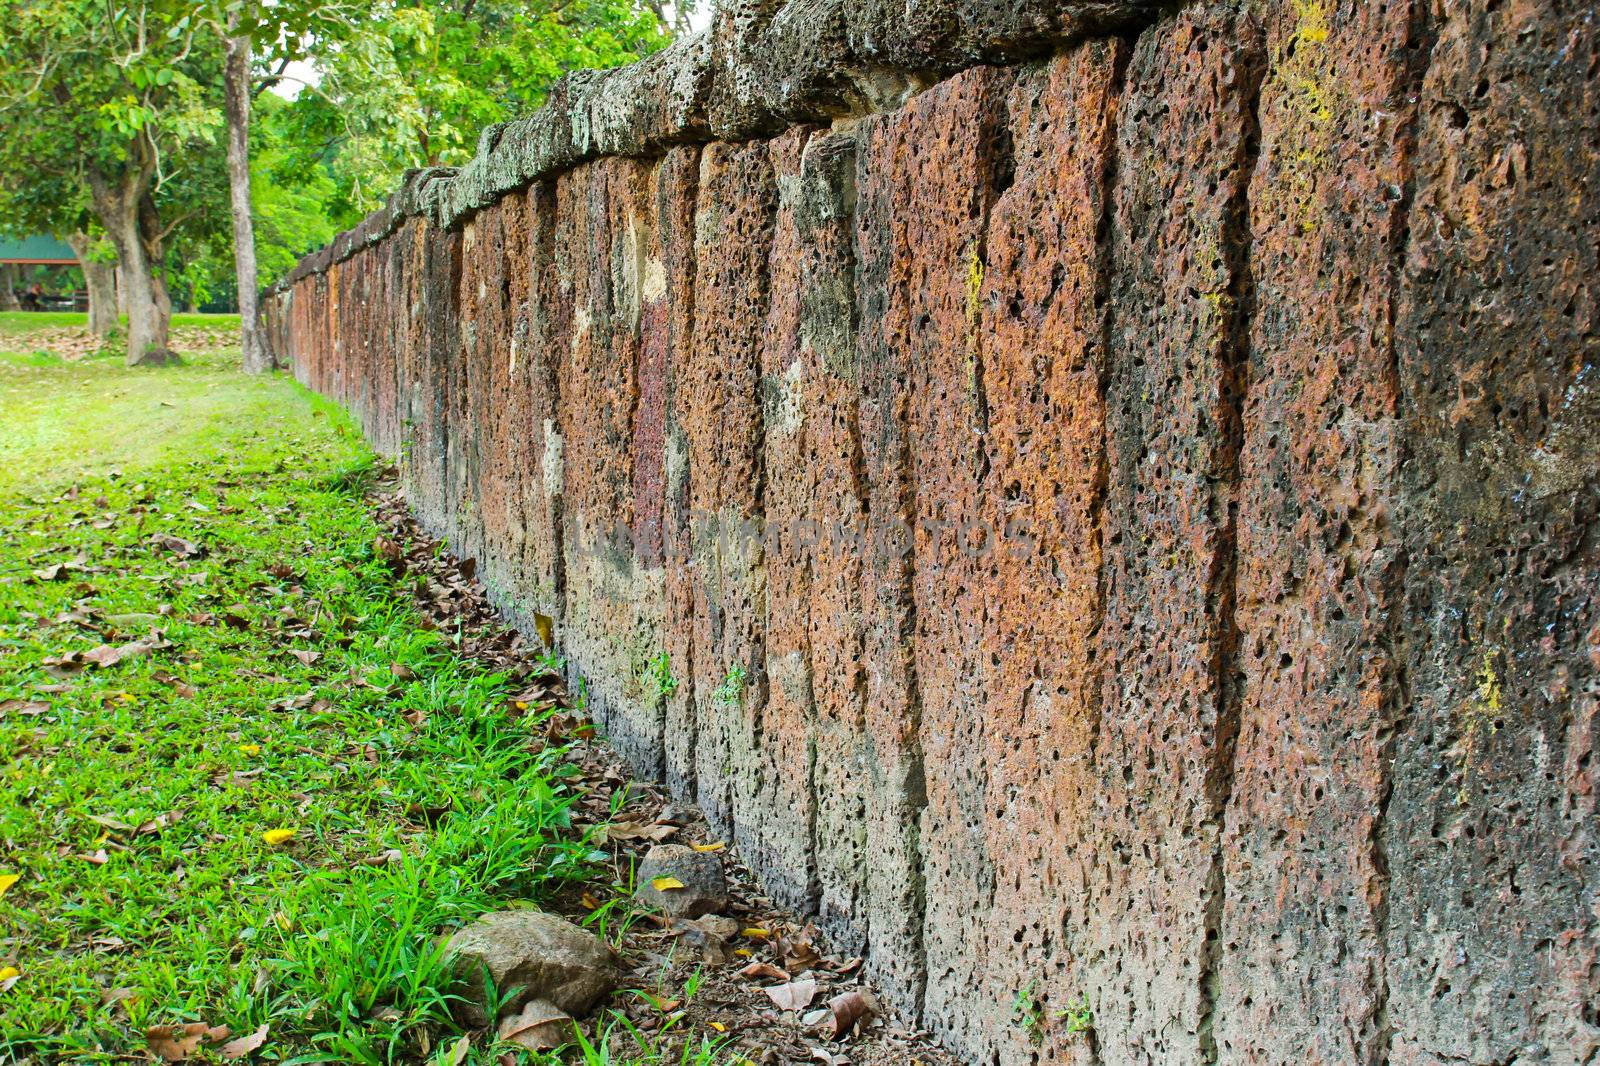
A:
[8,288]
[129,218]
[101,281]
[236,102]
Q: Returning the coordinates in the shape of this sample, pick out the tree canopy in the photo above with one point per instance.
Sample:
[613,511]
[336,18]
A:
[112,114]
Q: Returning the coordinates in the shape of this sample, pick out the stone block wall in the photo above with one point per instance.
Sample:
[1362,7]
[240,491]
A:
[1098,500]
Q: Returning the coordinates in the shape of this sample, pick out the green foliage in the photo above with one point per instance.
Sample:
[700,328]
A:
[289,199]
[731,691]
[1078,1016]
[93,87]
[1029,1013]
[413,83]
[658,681]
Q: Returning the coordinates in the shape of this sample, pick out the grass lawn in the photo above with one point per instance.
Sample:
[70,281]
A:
[266,814]
[18,323]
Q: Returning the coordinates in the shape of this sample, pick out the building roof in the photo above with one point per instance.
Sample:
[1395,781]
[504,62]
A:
[35,250]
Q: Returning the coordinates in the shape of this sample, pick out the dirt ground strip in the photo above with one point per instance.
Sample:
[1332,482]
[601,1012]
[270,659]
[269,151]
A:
[76,342]
[721,976]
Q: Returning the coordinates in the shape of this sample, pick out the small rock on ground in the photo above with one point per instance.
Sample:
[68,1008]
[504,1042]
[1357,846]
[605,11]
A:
[704,887]
[545,957]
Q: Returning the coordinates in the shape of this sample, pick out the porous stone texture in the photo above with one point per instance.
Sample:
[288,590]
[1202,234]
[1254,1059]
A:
[540,955]
[1097,500]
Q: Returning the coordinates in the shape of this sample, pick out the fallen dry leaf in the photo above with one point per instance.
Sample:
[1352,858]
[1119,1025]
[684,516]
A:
[175,1043]
[118,995]
[238,1049]
[539,1026]
[183,549]
[306,657]
[105,656]
[116,825]
[796,995]
[639,831]
[158,823]
[764,971]
[849,1009]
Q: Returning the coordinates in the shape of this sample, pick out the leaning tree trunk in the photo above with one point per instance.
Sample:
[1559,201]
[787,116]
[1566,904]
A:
[129,218]
[236,102]
[8,288]
[101,280]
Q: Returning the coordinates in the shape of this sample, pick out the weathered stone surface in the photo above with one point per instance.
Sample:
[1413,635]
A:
[718,404]
[609,261]
[1118,529]
[1320,561]
[546,957]
[1489,839]
[1040,346]
[783,789]
[1175,377]
[946,145]
[676,198]
[705,888]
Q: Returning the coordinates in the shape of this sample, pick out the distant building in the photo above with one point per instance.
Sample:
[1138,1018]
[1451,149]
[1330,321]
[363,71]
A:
[37,251]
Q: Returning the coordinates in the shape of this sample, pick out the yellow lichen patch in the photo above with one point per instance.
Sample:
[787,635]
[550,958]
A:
[1313,19]
[1306,102]
[1480,713]
[974,315]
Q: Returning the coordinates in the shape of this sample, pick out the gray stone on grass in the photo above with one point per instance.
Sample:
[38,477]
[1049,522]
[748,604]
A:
[540,955]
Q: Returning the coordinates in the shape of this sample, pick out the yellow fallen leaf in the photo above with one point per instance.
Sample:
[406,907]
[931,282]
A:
[665,884]
[718,1026]
[522,705]
[744,952]
[278,836]
[7,880]
[249,749]
[718,846]
[8,972]
[755,933]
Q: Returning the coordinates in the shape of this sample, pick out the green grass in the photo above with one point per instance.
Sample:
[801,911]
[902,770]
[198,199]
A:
[66,421]
[16,323]
[134,801]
